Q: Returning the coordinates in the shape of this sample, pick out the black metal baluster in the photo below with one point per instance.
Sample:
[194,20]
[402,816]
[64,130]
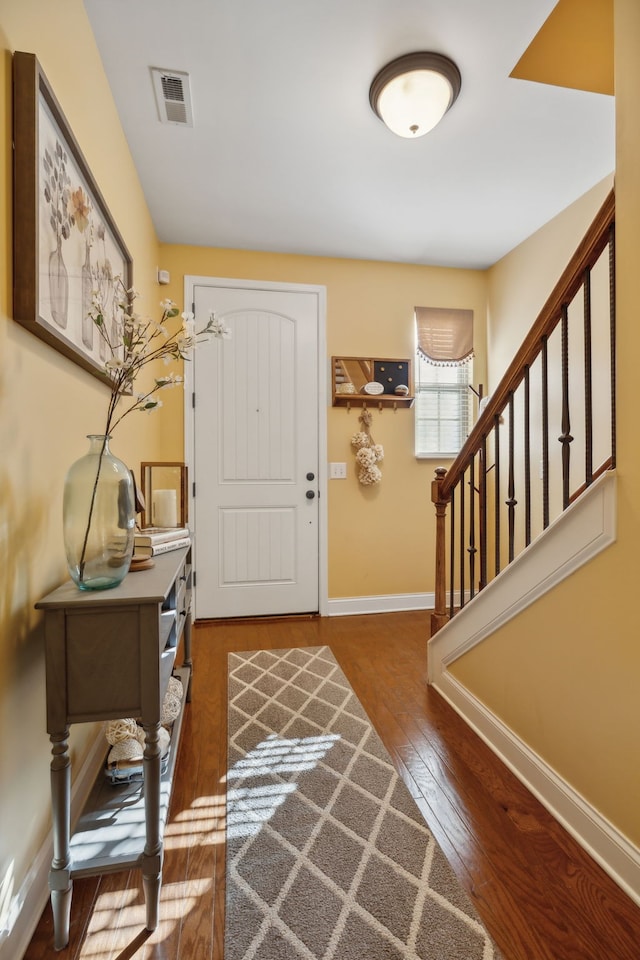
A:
[565,437]
[545,433]
[496,480]
[588,384]
[612,336]
[452,554]
[462,545]
[482,483]
[527,458]
[472,528]
[511,500]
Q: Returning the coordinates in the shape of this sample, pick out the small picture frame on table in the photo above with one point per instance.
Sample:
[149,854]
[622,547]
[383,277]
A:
[164,492]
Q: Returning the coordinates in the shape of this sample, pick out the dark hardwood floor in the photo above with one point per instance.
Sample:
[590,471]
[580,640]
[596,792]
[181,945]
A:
[538,893]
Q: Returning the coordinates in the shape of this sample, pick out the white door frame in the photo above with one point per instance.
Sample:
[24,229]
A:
[190,282]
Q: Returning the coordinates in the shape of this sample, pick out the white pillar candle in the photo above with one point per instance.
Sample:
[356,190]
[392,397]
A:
[165,508]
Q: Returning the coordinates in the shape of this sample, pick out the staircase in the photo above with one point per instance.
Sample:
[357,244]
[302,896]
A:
[545,436]
[530,498]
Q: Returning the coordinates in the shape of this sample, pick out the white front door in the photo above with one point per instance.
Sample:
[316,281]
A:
[255,451]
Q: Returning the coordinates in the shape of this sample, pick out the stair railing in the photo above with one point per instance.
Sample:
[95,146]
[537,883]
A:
[562,381]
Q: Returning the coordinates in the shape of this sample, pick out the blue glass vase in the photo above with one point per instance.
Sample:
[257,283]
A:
[98,517]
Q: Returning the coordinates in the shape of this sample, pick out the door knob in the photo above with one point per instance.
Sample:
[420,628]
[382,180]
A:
[310,494]
[311,476]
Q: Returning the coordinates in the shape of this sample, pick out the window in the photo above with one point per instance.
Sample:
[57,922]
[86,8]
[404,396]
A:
[443,371]
[443,407]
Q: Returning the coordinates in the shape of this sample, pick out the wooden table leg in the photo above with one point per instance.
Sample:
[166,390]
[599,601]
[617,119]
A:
[60,883]
[152,857]
[188,662]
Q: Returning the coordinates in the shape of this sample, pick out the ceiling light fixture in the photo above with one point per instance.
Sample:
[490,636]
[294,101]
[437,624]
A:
[413,93]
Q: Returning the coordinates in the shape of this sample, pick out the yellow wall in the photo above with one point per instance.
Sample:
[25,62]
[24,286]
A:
[47,407]
[516,293]
[564,674]
[380,538]
[573,48]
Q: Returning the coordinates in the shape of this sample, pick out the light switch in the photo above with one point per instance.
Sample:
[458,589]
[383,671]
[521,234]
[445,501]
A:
[337,471]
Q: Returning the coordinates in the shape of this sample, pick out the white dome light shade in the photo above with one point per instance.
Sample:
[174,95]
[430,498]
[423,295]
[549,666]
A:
[412,94]
[415,102]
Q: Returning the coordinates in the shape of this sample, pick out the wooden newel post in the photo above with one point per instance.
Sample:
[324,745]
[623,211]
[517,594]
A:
[439,616]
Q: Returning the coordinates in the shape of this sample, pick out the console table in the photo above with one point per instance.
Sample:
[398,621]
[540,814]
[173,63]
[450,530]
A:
[109,655]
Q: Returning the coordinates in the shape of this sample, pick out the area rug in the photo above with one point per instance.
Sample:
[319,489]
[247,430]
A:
[328,856]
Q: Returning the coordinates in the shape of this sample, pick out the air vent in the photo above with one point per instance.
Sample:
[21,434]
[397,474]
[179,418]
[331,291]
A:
[173,96]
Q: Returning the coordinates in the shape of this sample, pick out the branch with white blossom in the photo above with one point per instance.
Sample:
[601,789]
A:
[133,342]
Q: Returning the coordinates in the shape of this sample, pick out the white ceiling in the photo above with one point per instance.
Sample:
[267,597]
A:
[286,155]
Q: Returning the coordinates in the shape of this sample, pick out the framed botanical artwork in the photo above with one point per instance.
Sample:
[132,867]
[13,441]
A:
[66,246]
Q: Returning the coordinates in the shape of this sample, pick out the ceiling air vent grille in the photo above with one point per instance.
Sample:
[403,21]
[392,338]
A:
[173,96]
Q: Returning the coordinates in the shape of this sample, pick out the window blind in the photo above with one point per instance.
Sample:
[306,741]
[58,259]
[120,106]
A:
[444,335]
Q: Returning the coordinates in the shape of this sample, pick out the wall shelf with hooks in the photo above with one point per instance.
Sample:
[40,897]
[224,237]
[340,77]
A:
[371,382]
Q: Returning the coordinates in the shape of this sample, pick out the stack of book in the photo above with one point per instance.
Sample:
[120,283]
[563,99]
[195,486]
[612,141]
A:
[152,541]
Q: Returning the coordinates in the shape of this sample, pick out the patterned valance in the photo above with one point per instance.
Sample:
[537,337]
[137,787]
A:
[445,335]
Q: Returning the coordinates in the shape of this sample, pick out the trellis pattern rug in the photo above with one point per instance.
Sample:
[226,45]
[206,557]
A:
[328,857]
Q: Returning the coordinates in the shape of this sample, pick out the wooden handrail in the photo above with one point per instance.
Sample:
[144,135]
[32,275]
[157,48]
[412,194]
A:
[565,290]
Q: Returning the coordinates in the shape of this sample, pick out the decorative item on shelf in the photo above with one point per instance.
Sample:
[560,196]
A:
[402,390]
[391,374]
[345,388]
[152,541]
[98,517]
[164,511]
[124,759]
[152,536]
[164,488]
[368,452]
[172,701]
[127,738]
[166,546]
[373,388]
[140,562]
[99,502]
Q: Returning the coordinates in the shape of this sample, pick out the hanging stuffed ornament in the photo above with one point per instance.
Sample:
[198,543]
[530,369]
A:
[368,452]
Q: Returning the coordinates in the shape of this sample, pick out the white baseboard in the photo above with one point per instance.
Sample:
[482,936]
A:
[387,603]
[601,840]
[31,899]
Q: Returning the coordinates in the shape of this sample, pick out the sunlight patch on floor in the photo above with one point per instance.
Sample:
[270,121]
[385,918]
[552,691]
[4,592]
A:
[249,807]
[120,916]
[201,825]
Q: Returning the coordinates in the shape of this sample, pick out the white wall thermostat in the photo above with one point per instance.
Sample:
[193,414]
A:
[164,276]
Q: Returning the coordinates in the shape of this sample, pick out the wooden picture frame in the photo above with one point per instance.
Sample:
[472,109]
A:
[168,479]
[65,242]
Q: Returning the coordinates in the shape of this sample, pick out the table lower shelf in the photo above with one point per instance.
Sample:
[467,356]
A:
[110,833]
